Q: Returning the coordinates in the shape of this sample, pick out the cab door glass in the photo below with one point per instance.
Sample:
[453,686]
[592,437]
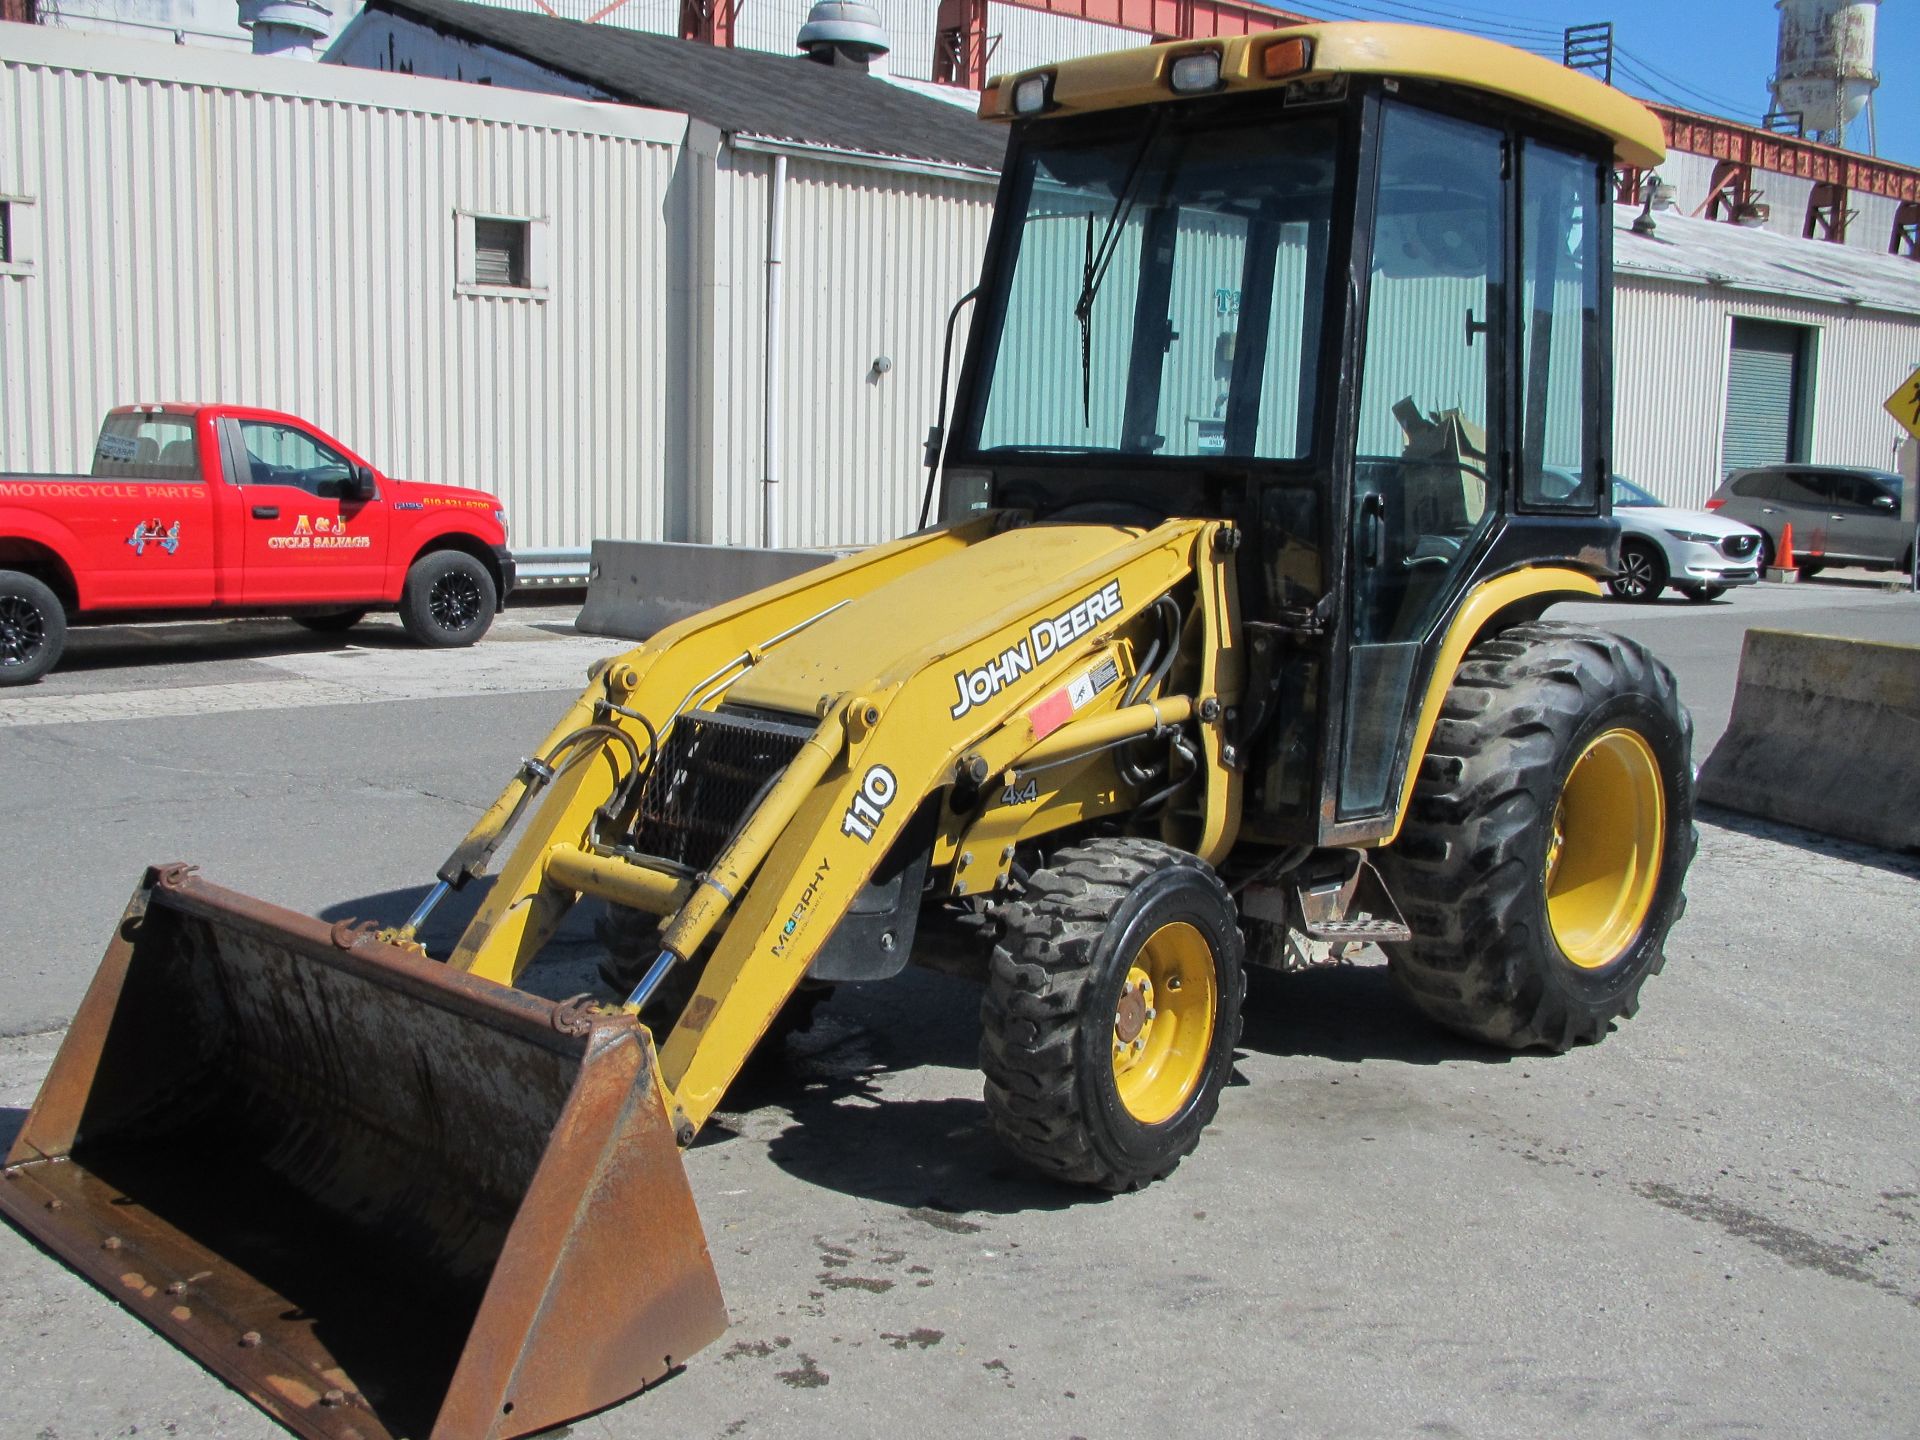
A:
[1559,328]
[1424,462]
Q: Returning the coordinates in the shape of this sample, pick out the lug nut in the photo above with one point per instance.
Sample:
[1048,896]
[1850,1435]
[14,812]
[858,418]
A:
[334,1397]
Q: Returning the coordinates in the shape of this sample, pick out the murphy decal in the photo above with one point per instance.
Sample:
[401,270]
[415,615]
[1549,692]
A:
[876,793]
[977,686]
[803,911]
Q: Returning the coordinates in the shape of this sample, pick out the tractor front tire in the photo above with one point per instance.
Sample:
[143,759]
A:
[1542,860]
[1111,1012]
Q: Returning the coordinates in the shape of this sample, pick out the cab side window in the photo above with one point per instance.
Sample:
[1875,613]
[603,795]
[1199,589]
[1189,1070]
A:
[282,455]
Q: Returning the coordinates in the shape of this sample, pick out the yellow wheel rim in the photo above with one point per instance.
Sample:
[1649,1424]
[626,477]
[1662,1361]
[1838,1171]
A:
[1163,1023]
[1603,858]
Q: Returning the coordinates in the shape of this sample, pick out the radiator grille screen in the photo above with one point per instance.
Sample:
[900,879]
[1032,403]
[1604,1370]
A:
[712,768]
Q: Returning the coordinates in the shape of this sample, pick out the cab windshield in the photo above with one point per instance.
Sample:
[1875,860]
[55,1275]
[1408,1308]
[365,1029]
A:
[1163,293]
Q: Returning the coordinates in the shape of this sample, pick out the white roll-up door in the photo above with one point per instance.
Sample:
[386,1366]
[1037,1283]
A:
[1763,382]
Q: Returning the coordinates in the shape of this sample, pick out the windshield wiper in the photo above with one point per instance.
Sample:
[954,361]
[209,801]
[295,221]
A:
[1099,258]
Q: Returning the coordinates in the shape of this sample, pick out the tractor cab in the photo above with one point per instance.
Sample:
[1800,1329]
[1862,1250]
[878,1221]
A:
[1343,286]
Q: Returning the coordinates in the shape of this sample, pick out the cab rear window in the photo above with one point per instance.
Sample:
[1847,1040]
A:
[146,447]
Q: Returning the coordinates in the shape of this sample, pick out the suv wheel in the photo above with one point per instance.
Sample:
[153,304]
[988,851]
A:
[1643,572]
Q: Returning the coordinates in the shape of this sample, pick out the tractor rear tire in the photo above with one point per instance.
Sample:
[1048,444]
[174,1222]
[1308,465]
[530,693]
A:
[33,628]
[1111,1012]
[1543,857]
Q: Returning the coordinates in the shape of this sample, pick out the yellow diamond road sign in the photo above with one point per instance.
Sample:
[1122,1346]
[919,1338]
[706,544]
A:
[1904,404]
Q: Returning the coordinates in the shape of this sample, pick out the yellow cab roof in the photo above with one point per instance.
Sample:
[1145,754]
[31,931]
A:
[1409,52]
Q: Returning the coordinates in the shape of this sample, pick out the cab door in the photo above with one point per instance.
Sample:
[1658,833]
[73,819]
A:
[1480,397]
[309,539]
[1425,458]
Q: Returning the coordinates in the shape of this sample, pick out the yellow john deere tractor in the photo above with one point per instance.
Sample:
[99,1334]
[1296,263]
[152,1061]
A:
[1285,415]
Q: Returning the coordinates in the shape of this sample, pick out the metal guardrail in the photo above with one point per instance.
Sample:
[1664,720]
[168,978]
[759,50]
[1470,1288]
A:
[552,569]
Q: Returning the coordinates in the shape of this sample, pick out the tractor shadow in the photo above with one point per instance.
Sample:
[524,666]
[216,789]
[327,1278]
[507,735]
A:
[1350,1014]
[859,1121]
[12,1122]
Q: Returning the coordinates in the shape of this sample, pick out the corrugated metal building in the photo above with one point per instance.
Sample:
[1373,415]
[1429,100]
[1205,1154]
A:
[191,224]
[1737,347]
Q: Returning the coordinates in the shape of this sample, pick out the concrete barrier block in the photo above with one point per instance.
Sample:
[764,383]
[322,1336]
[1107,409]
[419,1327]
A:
[636,588]
[1825,733]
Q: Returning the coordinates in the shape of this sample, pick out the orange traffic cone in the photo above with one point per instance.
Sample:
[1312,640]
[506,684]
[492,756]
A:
[1785,559]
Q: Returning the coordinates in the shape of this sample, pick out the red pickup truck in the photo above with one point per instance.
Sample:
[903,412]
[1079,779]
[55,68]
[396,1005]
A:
[228,510]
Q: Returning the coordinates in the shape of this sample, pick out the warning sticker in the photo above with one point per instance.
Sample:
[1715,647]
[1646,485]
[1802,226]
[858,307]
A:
[1058,708]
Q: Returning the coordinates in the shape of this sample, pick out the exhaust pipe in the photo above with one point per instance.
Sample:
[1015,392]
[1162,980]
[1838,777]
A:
[380,1197]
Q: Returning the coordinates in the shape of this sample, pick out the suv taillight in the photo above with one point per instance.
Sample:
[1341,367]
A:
[1714,502]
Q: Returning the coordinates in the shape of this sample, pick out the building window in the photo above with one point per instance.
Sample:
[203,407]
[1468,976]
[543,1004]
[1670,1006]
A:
[501,255]
[16,235]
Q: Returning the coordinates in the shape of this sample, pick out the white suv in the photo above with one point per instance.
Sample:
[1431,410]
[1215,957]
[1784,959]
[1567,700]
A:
[1699,554]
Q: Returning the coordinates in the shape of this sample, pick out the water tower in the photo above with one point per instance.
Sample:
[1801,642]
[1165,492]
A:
[1824,71]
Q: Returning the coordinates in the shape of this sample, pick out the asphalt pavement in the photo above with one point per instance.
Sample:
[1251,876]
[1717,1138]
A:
[1708,1224]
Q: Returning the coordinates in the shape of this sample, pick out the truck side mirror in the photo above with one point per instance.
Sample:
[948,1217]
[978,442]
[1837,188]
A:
[360,487]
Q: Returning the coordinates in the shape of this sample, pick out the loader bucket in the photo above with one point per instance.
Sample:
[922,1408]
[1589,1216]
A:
[382,1198]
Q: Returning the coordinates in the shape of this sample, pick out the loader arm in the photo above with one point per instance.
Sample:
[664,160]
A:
[1007,640]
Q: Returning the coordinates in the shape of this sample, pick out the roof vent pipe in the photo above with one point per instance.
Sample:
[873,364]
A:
[840,32]
[291,29]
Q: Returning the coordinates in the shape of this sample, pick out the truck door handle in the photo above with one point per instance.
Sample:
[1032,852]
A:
[266,512]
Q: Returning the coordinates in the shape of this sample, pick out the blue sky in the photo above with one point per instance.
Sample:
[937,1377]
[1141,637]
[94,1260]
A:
[1711,55]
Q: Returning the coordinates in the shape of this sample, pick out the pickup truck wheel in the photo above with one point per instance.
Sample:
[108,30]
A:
[331,624]
[33,628]
[448,599]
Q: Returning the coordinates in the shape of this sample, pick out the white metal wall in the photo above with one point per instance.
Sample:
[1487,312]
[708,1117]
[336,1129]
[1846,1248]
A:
[267,232]
[874,260]
[1671,344]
